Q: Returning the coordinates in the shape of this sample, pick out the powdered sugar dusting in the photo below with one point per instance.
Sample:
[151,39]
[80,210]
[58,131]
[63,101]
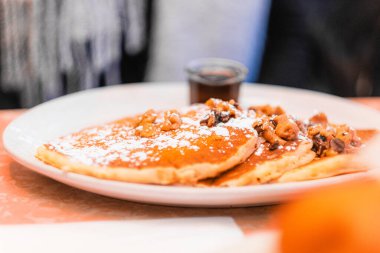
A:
[189,121]
[221,131]
[259,150]
[242,122]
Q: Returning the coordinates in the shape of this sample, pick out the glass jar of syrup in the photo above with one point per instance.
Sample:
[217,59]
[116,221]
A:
[215,78]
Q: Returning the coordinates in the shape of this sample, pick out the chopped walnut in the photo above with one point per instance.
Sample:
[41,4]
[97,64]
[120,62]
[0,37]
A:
[337,145]
[276,127]
[330,139]
[215,117]
[219,105]
[266,129]
[272,138]
[274,146]
[149,124]
[223,116]
[209,120]
[302,126]
[149,116]
[146,126]
[235,104]
[286,128]
[314,130]
[172,120]
[320,145]
[319,118]
[267,110]
[277,130]
[221,112]
[348,136]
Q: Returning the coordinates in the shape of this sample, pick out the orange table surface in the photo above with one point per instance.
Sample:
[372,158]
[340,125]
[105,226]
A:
[29,198]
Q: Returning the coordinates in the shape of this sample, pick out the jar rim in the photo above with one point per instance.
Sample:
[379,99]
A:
[195,67]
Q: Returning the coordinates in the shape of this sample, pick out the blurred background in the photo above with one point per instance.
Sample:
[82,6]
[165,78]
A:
[49,48]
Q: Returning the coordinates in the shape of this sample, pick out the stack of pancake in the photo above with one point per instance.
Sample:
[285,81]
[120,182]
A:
[213,144]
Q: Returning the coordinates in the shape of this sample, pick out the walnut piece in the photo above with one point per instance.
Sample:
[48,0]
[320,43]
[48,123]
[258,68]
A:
[172,120]
[221,112]
[320,145]
[302,126]
[314,130]
[319,118]
[149,116]
[286,128]
[267,110]
[337,145]
[266,129]
[145,126]
[209,120]
[148,125]
[330,139]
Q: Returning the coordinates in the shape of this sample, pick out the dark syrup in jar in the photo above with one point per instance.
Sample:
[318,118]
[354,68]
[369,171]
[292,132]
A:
[220,84]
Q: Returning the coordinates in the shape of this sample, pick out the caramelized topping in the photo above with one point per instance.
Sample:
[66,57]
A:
[337,145]
[221,112]
[209,120]
[301,126]
[267,110]
[286,128]
[320,145]
[277,130]
[151,123]
[313,130]
[217,127]
[172,120]
[146,126]
[330,139]
[319,118]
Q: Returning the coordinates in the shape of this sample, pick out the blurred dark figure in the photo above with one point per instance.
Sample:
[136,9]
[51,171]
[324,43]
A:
[327,45]
[52,48]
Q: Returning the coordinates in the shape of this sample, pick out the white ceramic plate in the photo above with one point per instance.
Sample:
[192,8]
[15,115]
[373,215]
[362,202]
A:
[74,112]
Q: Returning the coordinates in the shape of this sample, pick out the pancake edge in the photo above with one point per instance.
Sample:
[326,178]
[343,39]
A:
[272,169]
[187,175]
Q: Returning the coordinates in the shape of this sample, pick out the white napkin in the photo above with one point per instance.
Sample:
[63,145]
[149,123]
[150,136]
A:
[161,235]
[261,242]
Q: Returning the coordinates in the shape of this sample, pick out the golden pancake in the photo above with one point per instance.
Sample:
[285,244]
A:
[169,147]
[265,165]
[328,166]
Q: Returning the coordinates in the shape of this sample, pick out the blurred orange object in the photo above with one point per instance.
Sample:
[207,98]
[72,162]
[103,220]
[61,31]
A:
[339,219]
